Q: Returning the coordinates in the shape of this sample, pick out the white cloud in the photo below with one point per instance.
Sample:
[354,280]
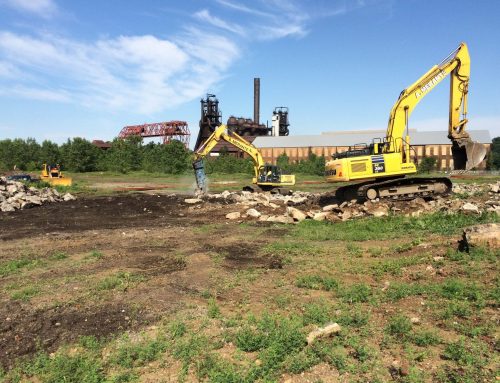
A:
[140,73]
[204,15]
[43,8]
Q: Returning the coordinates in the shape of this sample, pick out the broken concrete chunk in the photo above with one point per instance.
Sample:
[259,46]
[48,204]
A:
[321,216]
[378,210]
[296,214]
[470,207]
[233,215]
[192,201]
[280,219]
[5,206]
[332,328]
[253,213]
[330,207]
[68,197]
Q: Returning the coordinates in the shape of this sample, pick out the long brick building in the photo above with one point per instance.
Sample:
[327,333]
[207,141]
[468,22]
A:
[425,143]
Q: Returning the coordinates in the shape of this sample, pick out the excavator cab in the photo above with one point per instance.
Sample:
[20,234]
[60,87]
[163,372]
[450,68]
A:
[269,173]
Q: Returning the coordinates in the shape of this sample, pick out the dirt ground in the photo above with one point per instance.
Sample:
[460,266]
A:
[105,266]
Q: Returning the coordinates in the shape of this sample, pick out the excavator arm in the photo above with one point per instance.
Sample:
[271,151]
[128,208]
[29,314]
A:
[222,133]
[466,153]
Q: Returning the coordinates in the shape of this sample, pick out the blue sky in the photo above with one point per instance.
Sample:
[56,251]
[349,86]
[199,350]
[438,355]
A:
[88,68]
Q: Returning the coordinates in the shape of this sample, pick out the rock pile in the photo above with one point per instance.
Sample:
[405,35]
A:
[300,206]
[16,195]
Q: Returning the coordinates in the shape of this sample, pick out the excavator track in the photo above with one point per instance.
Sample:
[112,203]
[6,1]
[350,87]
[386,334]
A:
[396,189]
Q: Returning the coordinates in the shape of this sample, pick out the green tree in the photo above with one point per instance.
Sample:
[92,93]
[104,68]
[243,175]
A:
[171,158]
[80,155]
[427,164]
[125,155]
[49,153]
[494,155]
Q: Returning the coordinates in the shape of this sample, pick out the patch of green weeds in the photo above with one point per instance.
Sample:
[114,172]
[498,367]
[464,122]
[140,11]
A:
[398,325]
[459,289]
[121,281]
[397,291]
[213,310]
[332,353]
[58,256]
[95,254]
[177,329]
[356,293]
[14,266]
[132,354]
[214,369]
[318,313]
[317,282]
[354,250]
[25,294]
[375,252]
[290,249]
[355,317]
[300,362]
[457,308]
[394,266]
[81,367]
[425,338]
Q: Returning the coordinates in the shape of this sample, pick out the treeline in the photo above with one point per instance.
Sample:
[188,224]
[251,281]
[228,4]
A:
[80,155]
[131,154]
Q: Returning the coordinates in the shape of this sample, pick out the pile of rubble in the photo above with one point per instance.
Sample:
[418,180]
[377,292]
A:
[300,206]
[16,195]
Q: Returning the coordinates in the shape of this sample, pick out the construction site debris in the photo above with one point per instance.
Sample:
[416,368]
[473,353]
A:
[16,195]
[480,235]
[328,330]
[233,215]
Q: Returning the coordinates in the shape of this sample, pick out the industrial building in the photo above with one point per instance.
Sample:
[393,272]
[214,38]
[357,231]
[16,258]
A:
[424,143]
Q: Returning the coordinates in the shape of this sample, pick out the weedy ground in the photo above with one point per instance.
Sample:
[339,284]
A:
[168,297]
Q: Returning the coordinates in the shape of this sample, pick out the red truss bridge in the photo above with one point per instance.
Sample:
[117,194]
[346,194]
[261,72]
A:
[170,130]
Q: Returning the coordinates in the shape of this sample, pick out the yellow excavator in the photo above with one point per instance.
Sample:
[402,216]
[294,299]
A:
[267,177]
[382,166]
[54,176]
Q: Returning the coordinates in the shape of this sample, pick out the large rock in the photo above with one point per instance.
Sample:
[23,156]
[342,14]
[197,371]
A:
[330,207]
[280,219]
[321,216]
[332,328]
[470,208]
[480,235]
[378,210]
[296,214]
[495,188]
[33,199]
[192,201]
[69,197]
[6,206]
[233,215]
[253,213]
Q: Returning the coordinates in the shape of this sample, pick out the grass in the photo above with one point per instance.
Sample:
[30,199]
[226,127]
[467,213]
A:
[120,281]
[15,266]
[356,293]
[389,227]
[25,294]
[398,325]
[317,282]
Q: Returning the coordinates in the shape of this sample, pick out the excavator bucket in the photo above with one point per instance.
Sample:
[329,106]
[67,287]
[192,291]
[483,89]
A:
[467,154]
[199,174]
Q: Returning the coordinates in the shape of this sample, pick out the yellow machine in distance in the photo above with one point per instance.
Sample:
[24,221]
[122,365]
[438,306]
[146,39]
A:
[384,163]
[267,177]
[53,175]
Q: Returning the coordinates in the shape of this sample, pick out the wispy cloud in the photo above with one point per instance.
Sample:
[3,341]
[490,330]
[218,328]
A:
[139,73]
[204,15]
[42,8]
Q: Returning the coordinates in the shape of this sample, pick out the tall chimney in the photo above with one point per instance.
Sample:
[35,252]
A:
[256,100]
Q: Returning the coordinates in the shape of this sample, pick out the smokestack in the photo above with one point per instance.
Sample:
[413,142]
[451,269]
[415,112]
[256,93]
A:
[256,100]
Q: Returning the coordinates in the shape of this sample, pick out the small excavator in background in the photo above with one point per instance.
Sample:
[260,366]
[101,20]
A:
[267,177]
[54,176]
[382,166]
